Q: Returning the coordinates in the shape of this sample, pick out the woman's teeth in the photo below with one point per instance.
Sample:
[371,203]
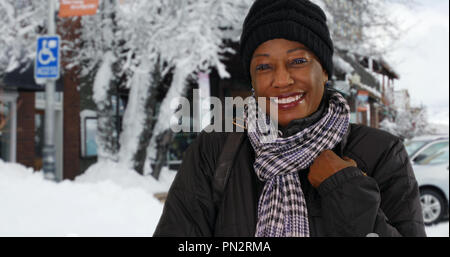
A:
[287,100]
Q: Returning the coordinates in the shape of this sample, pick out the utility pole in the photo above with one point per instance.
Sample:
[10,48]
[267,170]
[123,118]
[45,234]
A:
[49,136]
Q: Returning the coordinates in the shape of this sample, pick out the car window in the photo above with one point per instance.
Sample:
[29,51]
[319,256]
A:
[413,146]
[439,157]
[431,152]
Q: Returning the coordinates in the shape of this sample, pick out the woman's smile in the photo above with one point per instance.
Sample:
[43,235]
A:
[288,101]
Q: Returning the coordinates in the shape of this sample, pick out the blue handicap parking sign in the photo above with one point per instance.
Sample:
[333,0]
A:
[47,58]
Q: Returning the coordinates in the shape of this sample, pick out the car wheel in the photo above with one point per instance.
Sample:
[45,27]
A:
[432,206]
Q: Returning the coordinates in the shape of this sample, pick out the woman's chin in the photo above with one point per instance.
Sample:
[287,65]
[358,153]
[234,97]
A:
[284,117]
[285,120]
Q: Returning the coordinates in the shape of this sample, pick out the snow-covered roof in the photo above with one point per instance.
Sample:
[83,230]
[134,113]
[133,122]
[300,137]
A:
[387,69]
[341,65]
[368,78]
[371,90]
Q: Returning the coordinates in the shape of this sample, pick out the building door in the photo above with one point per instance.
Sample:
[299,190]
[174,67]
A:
[39,118]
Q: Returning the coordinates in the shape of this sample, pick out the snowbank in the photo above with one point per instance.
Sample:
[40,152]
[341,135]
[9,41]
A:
[439,230]
[106,201]
[126,178]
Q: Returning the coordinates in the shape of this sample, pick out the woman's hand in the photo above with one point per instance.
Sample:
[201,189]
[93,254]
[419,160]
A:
[325,165]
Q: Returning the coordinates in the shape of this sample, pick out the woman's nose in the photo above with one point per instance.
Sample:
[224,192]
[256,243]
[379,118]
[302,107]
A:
[282,78]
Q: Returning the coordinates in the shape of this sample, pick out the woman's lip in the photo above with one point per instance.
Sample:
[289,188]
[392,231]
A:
[285,106]
[289,94]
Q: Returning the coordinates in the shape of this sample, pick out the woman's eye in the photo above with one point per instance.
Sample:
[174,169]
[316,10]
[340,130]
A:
[262,67]
[299,61]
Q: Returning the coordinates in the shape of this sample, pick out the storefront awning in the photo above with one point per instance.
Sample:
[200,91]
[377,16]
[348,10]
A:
[22,79]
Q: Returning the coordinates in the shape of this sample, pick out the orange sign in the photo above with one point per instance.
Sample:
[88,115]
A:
[362,99]
[68,8]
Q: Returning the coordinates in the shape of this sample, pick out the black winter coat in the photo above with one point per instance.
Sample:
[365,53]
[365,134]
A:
[380,196]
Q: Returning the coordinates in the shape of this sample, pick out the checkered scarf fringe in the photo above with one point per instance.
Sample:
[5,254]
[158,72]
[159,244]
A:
[282,208]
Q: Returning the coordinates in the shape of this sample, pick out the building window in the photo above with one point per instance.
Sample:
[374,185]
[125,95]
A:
[8,125]
[178,146]
[90,129]
[5,130]
[88,119]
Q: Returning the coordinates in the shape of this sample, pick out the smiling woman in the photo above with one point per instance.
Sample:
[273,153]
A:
[289,72]
[322,176]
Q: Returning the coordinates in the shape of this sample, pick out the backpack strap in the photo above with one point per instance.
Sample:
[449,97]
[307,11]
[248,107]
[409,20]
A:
[225,163]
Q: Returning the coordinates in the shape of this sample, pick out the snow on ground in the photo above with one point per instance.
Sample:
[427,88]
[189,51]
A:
[126,178]
[107,200]
[439,230]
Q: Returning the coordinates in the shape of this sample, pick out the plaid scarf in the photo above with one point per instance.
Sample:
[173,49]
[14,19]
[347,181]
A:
[282,207]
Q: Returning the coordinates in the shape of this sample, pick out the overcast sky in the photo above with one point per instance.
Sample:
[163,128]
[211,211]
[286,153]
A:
[421,57]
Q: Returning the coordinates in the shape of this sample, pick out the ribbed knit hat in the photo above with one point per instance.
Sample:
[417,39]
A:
[295,20]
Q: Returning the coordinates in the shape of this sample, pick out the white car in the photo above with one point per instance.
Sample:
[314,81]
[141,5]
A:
[430,161]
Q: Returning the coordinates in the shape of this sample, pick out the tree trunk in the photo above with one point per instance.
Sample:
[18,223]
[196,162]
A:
[163,141]
[157,150]
[106,129]
[149,122]
[155,91]
[103,89]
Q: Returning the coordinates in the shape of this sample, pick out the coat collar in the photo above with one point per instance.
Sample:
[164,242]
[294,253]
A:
[339,148]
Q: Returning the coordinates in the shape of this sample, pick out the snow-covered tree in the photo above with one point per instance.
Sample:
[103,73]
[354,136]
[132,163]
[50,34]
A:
[21,21]
[102,57]
[407,123]
[200,46]
[187,36]
[362,26]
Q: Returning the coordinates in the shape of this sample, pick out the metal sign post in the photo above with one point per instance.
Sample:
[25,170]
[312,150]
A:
[47,69]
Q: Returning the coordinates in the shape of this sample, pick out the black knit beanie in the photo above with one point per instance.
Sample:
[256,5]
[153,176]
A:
[295,20]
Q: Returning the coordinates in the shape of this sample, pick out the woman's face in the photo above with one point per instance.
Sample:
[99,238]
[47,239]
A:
[290,72]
